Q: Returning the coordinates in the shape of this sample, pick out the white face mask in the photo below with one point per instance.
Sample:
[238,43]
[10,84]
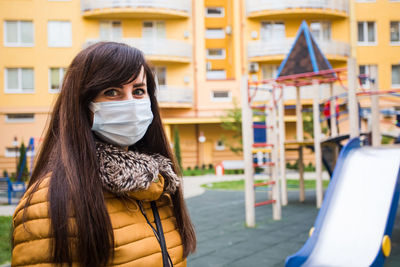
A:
[121,123]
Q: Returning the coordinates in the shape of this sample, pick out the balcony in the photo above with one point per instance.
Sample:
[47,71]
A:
[157,50]
[280,9]
[278,49]
[175,97]
[117,9]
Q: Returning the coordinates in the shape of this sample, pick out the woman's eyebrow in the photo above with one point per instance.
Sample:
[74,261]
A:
[139,85]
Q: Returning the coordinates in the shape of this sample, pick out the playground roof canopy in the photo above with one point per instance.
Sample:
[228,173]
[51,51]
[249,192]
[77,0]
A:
[305,62]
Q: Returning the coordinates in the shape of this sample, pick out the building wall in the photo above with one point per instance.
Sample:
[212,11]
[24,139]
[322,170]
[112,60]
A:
[210,153]
[382,54]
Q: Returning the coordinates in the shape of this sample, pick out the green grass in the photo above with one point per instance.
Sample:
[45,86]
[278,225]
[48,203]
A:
[197,172]
[5,245]
[239,184]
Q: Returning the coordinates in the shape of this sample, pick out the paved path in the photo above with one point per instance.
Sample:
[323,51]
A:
[192,184]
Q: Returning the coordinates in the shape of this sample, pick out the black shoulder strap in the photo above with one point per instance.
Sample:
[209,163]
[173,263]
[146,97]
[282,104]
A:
[167,262]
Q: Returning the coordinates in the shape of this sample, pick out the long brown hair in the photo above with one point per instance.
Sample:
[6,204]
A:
[68,152]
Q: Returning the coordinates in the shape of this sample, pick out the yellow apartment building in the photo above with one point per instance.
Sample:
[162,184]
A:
[199,50]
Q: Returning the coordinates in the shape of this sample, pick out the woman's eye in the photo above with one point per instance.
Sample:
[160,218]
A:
[138,92]
[111,92]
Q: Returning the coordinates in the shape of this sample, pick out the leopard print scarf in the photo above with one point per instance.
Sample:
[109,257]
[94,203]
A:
[122,171]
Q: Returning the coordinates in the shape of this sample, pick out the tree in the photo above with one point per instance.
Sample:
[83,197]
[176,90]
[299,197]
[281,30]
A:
[177,147]
[22,158]
[232,121]
[308,123]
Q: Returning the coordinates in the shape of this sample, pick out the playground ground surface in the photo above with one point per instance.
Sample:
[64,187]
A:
[223,239]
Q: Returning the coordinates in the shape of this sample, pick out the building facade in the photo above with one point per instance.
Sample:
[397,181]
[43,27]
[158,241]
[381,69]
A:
[199,50]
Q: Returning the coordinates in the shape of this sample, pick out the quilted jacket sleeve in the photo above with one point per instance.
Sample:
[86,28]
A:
[31,230]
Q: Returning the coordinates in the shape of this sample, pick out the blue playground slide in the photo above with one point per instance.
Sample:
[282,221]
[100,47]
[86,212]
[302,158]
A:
[355,223]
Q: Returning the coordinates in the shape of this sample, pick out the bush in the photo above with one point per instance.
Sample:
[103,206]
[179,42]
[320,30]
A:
[5,173]
[22,157]
[210,166]
[177,147]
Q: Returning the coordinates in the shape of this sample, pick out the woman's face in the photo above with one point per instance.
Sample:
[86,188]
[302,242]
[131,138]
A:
[136,89]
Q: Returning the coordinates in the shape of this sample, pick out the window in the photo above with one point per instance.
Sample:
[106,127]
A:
[56,76]
[366,33]
[269,71]
[395,32]
[19,80]
[215,33]
[161,74]
[154,30]
[12,152]
[218,12]
[18,33]
[366,72]
[216,75]
[219,145]
[20,117]
[110,30]
[221,96]
[321,30]
[272,30]
[396,76]
[59,34]
[216,53]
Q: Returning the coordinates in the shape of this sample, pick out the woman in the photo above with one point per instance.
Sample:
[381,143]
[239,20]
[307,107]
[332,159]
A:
[104,190]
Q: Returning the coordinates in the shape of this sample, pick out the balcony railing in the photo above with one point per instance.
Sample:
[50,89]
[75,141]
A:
[262,5]
[178,5]
[155,47]
[174,94]
[282,47]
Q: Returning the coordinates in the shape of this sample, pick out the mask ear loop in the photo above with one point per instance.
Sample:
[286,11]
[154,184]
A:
[94,107]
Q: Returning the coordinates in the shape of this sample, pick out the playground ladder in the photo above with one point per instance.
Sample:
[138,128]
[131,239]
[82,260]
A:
[269,162]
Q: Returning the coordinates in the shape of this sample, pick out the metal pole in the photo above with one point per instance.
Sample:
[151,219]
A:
[248,161]
[317,144]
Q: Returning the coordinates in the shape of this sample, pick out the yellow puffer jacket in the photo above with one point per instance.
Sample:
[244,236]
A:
[135,243]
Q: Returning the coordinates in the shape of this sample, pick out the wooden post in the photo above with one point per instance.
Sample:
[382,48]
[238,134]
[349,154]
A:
[270,140]
[247,119]
[300,137]
[376,133]
[276,207]
[334,129]
[282,159]
[301,178]
[317,143]
[299,116]
[353,105]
